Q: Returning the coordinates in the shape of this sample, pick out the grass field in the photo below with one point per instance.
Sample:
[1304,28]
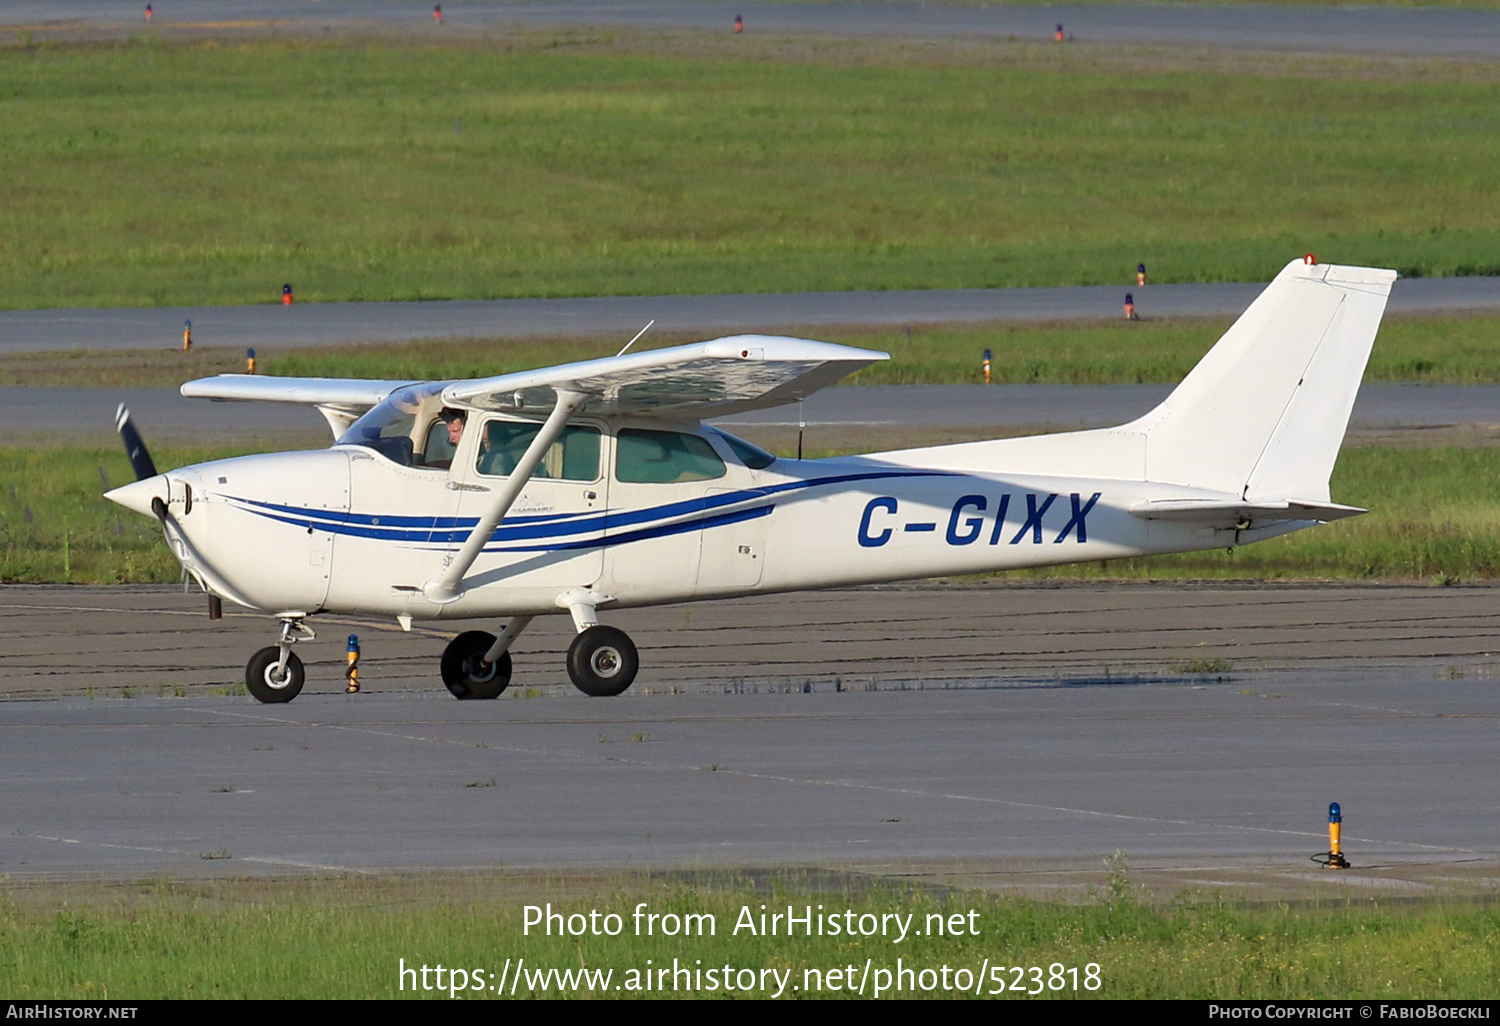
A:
[346,938]
[1434,518]
[1461,350]
[147,173]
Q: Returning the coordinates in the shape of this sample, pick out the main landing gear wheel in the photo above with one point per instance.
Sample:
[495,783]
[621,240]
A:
[464,671]
[602,661]
[262,680]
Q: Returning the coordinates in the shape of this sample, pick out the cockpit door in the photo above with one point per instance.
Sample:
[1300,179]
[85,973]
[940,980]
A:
[553,535]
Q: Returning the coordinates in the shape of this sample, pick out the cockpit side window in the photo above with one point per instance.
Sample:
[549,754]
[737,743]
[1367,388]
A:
[438,452]
[573,457]
[664,457]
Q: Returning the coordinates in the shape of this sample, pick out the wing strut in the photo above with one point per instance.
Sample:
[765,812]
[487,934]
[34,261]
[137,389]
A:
[448,589]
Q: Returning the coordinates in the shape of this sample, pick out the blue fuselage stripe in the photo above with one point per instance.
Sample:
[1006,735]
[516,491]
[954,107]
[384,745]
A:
[447,531]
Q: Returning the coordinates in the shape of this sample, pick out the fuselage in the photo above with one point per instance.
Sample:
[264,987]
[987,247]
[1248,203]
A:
[640,512]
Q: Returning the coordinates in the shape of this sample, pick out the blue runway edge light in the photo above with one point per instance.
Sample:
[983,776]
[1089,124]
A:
[1334,815]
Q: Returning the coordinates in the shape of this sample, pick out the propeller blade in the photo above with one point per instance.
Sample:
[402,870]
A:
[135,449]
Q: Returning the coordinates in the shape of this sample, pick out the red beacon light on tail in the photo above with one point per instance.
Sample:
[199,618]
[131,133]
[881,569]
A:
[1309,260]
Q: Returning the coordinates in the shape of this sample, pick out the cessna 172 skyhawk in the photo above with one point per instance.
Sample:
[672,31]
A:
[594,486]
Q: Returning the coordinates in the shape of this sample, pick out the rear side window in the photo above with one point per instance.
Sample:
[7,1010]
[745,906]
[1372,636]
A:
[662,457]
[752,456]
[573,457]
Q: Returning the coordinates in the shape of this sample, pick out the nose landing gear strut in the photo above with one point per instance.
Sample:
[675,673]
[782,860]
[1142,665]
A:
[275,674]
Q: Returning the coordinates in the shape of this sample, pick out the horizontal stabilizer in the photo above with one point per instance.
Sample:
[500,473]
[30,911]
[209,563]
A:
[1228,513]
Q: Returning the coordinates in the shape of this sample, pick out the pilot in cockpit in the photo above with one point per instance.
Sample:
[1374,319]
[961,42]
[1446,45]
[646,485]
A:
[455,419]
[440,449]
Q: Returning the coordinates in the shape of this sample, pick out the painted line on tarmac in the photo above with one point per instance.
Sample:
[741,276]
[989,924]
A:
[262,717]
[193,854]
[1083,812]
[885,789]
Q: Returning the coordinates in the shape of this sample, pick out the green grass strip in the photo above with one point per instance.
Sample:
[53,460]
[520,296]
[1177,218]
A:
[349,938]
[1458,350]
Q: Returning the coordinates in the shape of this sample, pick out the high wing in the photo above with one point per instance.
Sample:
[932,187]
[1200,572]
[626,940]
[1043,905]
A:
[726,375]
[350,392]
[691,382]
[703,379]
[341,401]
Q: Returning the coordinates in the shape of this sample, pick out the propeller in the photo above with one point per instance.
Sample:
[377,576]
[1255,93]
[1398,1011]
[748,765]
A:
[135,448]
[145,468]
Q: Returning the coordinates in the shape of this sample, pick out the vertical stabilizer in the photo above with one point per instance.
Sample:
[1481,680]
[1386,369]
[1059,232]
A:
[1262,416]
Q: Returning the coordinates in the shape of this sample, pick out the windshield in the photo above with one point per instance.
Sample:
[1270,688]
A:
[398,428]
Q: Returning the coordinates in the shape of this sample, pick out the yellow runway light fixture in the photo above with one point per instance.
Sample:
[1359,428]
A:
[1333,858]
[351,672]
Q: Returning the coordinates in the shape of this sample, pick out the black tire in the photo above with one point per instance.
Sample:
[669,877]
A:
[260,676]
[463,672]
[603,661]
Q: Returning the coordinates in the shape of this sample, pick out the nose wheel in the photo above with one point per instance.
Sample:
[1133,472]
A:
[275,674]
[603,661]
[270,681]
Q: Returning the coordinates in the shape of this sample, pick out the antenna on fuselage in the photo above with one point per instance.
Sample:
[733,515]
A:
[801,423]
[637,336]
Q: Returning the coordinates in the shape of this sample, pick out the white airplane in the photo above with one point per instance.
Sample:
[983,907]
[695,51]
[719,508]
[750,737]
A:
[594,486]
